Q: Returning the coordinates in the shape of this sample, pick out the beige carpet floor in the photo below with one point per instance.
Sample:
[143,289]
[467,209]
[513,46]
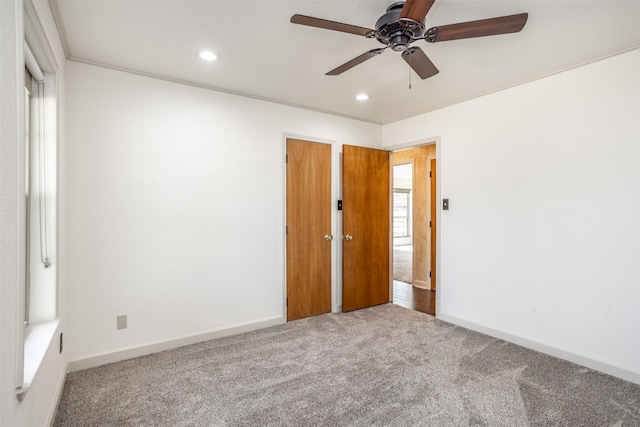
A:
[381,366]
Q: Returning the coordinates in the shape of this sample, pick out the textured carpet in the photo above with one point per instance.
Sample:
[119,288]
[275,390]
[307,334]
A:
[402,266]
[382,366]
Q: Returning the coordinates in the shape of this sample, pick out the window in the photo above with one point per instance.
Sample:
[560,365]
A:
[40,283]
[401,209]
[37,244]
[28,87]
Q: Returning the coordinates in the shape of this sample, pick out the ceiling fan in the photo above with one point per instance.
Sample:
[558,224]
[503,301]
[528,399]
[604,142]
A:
[403,24]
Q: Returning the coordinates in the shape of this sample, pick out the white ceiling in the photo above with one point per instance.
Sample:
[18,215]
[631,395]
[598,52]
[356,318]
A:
[267,57]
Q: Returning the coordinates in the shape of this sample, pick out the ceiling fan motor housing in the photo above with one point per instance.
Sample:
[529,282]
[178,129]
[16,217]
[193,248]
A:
[390,32]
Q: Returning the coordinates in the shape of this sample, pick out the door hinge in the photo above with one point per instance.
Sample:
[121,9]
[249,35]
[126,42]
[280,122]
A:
[429,274]
[429,224]
[286,158]
[429,174]
[287,302]
[286,230]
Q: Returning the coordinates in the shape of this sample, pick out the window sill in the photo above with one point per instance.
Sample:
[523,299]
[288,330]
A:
[37,339]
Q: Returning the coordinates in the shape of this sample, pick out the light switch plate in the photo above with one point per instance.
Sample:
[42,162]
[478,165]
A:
[121,321]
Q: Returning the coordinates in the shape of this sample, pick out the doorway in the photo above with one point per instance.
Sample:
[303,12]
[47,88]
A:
[403,222]
[414,224]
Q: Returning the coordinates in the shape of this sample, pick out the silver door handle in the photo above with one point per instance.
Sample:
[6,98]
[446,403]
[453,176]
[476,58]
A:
[328,237]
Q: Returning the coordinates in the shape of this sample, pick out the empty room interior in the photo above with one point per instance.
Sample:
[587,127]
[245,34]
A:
[202,222]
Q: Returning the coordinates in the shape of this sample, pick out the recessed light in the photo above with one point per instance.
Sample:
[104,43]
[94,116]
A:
[208,55]
[362,97]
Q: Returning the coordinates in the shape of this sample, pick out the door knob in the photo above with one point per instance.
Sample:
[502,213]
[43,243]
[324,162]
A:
[348,237]
[328,237]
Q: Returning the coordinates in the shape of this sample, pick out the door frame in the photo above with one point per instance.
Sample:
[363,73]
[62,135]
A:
[417,143]
[336,223]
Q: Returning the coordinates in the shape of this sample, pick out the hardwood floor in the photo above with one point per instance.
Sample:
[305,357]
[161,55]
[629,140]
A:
[406,295]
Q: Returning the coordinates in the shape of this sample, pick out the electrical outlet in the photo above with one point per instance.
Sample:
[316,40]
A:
[121,322]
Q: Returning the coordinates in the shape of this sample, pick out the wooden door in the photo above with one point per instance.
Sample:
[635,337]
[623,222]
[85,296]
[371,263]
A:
[365,227]
[308,229]
[432,175]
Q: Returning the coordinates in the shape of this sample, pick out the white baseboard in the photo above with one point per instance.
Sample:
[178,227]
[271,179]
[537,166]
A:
[57,396]
[589,362]
[142,350]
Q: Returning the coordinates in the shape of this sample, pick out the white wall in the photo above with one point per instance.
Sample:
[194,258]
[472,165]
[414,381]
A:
[174,207]
[542,240]
[39,403]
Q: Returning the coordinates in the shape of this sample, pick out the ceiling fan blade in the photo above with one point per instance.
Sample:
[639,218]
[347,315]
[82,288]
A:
[420,62]
[481,28]
[330,25]
[414,11]
[355,61]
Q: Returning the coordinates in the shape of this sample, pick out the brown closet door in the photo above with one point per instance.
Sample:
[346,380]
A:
[365,227]
[308,229]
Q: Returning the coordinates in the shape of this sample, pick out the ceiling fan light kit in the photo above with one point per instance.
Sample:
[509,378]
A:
[403,24]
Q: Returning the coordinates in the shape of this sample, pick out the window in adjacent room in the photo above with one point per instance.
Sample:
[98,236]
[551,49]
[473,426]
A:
[401,218]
